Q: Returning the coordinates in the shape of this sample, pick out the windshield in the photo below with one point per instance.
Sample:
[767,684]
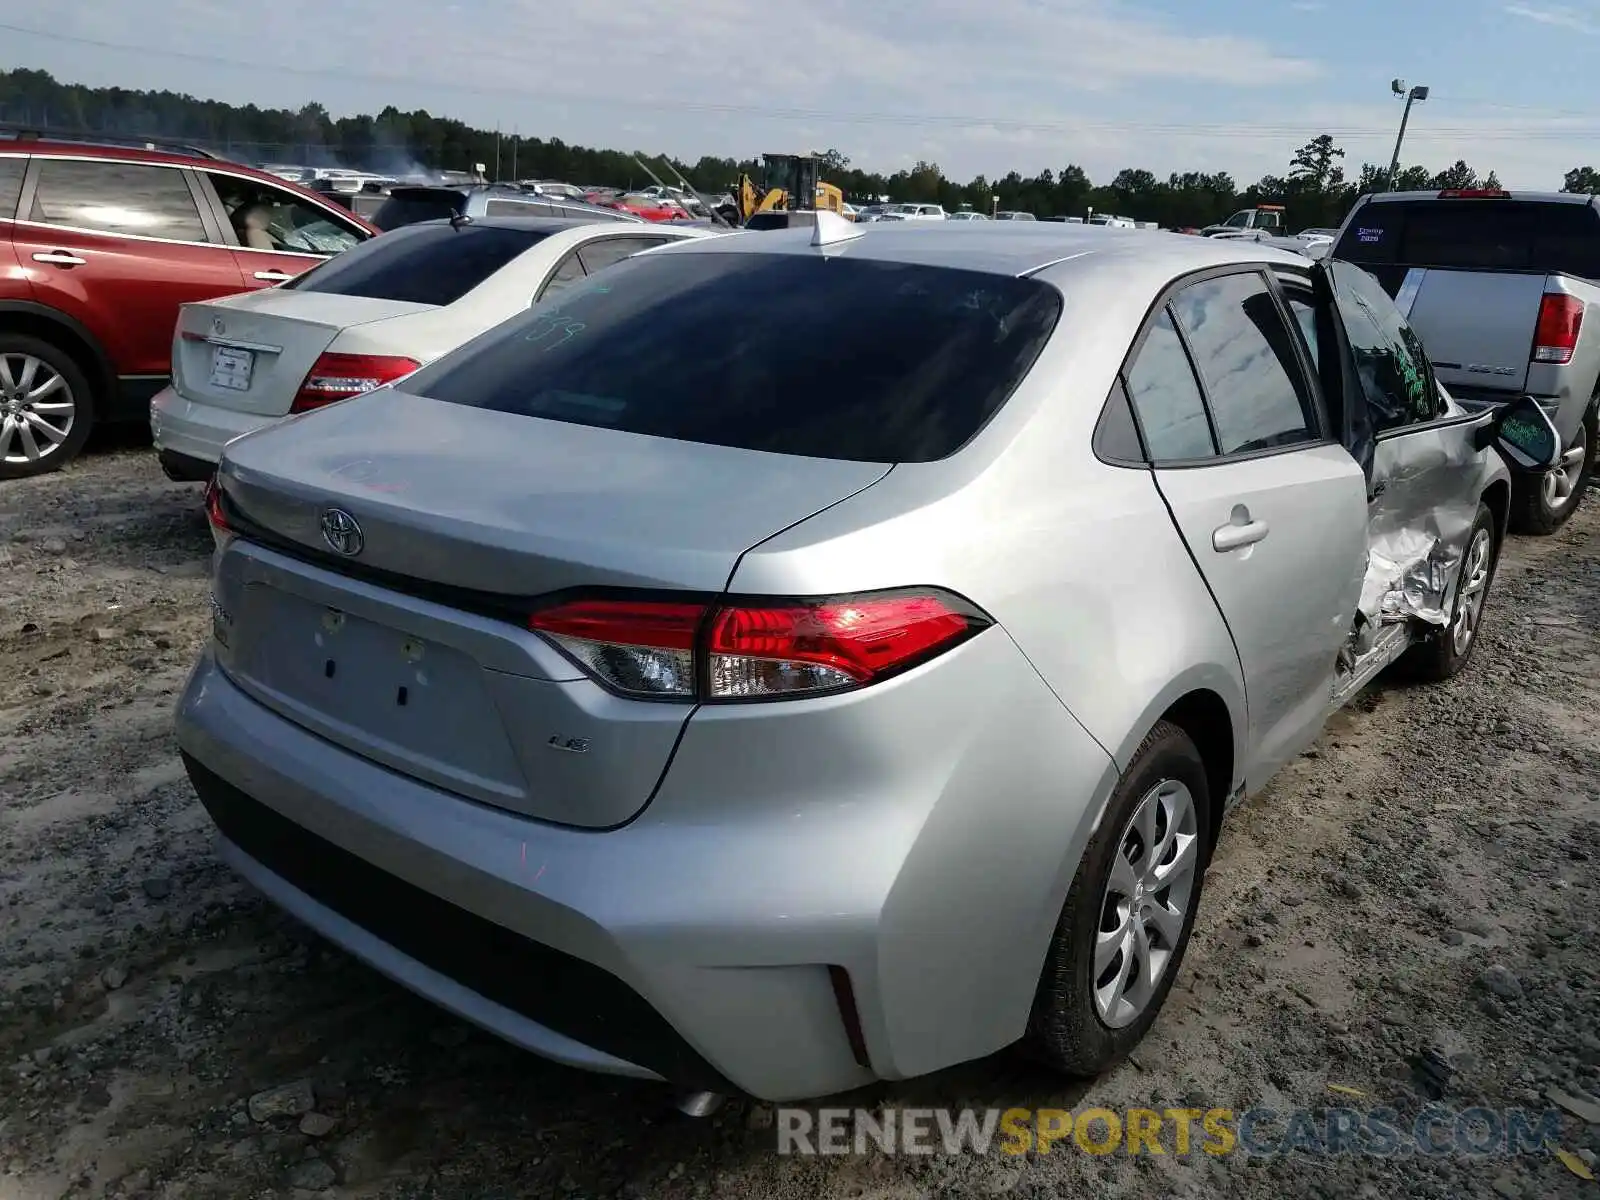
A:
[722,349]
[420,264]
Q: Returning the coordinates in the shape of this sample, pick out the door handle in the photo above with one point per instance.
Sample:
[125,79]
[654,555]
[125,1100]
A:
[59,258]
[1237,533]
[274,276]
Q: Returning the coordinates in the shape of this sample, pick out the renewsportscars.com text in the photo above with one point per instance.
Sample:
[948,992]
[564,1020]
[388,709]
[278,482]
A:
[1179,1132]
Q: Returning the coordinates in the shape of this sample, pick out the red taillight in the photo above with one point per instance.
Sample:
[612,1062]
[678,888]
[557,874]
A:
[1474,194]
[340,376]
[214,513]
[639,648]
[1556,336]
[756,651]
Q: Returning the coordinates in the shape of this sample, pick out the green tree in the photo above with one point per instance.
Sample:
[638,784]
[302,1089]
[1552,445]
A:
[1458,175]
[1315,166]
[1585,180]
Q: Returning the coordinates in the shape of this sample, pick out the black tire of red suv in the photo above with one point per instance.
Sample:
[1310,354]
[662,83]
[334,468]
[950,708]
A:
[1531,510]
[75,388]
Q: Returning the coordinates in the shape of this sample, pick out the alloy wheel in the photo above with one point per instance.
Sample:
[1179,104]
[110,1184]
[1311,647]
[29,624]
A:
[1561,480]
[1474,588]
[37,409]
[1146,902]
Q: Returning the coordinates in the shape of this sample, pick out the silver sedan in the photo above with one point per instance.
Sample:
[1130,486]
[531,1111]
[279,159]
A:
[692,680]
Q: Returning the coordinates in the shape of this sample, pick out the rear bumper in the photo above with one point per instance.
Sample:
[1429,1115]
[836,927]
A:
[695,944]
[506,983]
[198,432]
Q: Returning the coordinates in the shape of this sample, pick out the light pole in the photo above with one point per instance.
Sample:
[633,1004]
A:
[1412,95]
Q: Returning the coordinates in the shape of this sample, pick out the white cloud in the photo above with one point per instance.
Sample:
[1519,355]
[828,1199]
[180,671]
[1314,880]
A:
[976,85]
[1559,16]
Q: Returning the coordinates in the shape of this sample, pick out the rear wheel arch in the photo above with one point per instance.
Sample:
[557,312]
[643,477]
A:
[70,336]
[1204,716]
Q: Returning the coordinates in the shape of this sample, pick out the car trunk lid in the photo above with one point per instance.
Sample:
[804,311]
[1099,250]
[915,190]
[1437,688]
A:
[414,651]
[250,353]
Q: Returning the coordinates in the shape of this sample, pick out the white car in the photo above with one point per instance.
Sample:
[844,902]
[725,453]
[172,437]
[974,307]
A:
[365,318]
[967,214]
[914,212]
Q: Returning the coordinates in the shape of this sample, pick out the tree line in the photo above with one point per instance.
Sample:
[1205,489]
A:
[1315,190]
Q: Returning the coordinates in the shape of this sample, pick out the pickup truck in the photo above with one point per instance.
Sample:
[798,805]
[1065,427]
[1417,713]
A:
[1264,219]
[1501,288]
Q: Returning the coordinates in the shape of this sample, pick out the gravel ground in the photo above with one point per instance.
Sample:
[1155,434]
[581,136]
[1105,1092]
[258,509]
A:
[1409,912]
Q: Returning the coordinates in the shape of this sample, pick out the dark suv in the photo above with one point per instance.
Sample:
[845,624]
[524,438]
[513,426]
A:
[406,204]
[99,245]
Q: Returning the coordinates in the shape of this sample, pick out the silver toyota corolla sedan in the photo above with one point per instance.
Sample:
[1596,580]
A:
[691,680]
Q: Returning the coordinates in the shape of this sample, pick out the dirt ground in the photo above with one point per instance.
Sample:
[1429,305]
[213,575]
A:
[1410,912]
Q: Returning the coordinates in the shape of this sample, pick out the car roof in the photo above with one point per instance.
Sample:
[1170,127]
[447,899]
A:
[93,149]
[1010,247]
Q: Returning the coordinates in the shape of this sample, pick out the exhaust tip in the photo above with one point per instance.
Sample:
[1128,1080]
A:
[698,1104]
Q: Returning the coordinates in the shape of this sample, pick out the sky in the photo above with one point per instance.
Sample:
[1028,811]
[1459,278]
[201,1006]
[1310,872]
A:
[977,86]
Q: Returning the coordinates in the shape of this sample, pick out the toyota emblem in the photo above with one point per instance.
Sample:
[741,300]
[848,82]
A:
[340,531]
[217,327]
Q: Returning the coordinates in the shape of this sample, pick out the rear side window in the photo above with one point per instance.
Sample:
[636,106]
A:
[11,173]
[410,205]
[765,352]
[421,264]
[522,208]
[1242,350]
[116,197]
[1167,397]
[568,272]
[599,255]
[1476,234]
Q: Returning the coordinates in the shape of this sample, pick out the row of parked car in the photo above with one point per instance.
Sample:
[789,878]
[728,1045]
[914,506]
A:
[633,650]
[102,243]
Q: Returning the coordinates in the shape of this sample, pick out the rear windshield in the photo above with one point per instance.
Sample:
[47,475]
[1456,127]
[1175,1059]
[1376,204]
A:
[1476,234]
[765,352]
[420,264]
[407,206]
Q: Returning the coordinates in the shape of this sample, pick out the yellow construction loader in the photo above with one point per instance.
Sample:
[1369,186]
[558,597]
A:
[787,180]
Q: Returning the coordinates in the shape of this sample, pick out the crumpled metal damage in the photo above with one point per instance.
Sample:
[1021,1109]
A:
[1416,534]
[1412,573]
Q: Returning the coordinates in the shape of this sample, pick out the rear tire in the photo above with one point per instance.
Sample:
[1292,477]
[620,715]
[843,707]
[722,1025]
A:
[43,393]
[1445,652]
[1543,503]
[1081,1022]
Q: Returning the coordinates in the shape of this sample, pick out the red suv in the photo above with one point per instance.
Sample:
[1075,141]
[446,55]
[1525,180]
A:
[99,245]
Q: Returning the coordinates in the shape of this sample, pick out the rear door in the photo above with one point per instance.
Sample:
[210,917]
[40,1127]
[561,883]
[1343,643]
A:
[276,234]
[1272,508]
[118,246]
